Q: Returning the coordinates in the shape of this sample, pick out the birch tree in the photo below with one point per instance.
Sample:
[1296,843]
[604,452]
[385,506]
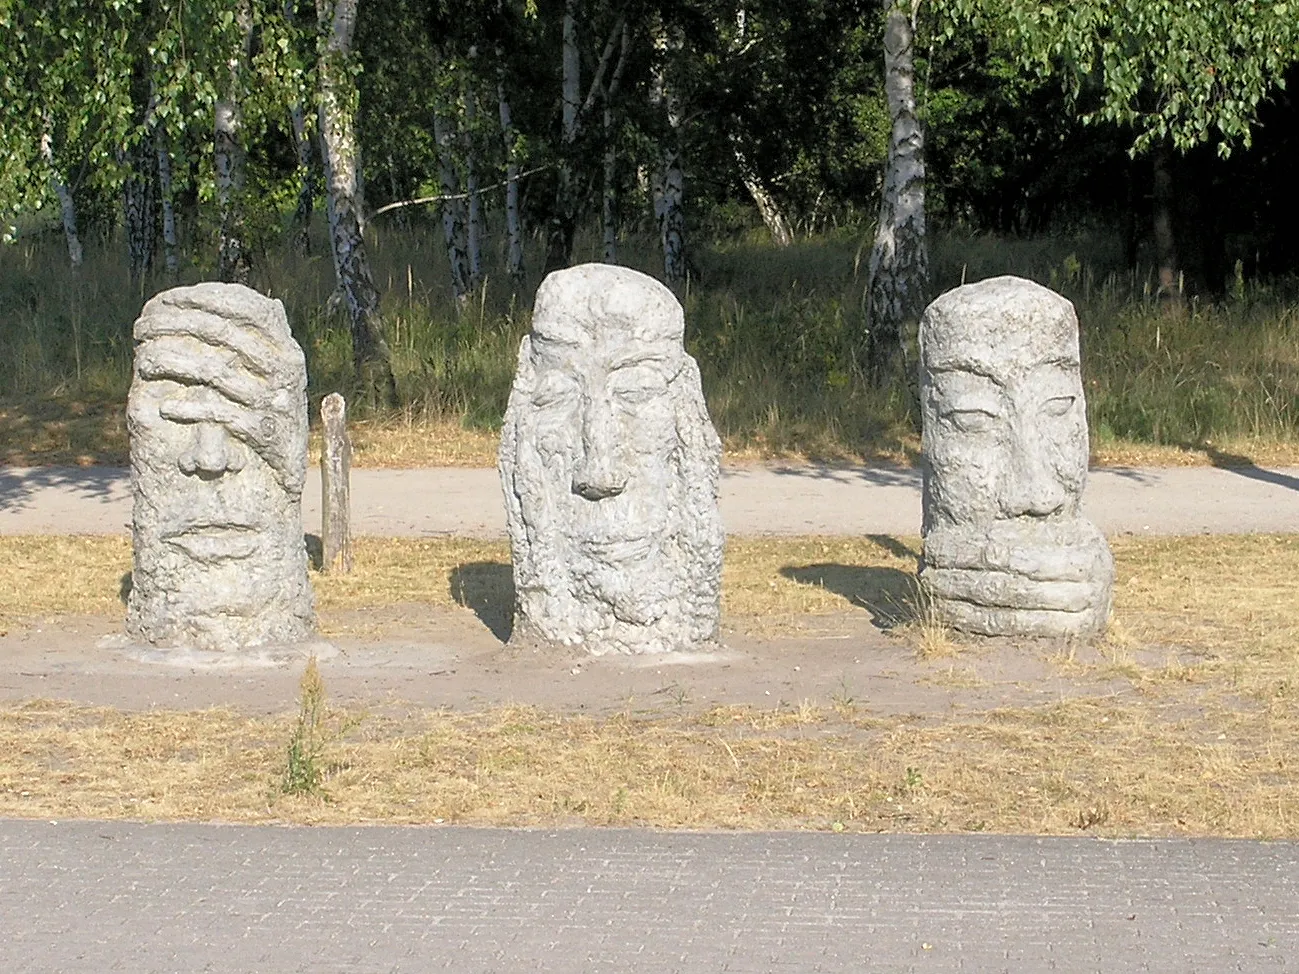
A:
[455,216]
[509,140]
[576,109]
[899,262]
[229,155]
[669,176]
[338,94]
[67,208]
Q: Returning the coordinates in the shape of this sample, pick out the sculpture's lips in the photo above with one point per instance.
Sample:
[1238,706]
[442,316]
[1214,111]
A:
[617,549]
[1007,590]
[215,542]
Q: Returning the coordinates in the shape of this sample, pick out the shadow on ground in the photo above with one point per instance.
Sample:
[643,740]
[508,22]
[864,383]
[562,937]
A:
[888,594]
[1244,466]
[486,587]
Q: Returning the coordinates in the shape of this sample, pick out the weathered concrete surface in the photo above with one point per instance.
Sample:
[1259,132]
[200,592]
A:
[217,417]
[769,499]
[1007,551]
[609,466]
[106,896]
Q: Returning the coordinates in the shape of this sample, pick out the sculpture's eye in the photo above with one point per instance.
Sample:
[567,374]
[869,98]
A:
[971,420]
[1059,405]
[555,390]
[637,383]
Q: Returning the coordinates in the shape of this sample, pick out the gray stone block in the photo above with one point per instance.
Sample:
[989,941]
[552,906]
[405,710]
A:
[1006,549]
[609,465]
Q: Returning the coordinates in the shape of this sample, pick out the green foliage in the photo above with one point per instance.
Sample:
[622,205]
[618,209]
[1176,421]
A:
[1188,71]
[304,770]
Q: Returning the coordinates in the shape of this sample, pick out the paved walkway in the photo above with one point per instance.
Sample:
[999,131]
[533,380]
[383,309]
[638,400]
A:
[99,897]
[755,500]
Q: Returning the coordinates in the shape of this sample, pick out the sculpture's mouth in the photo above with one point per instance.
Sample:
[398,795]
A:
[1012,591]
[617,550]
[216,542]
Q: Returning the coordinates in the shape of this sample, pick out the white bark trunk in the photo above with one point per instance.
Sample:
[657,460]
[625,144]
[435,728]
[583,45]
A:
[455,231]
[138,208]
[670,180]
[781,232]
[229,159]
[338,140]
[170,250]
[899,261]
[474,234]
[307,186]
[67,207]
[610,195]
[513,228]
[610,207]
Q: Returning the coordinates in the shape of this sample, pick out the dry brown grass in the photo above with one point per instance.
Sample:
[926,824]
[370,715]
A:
[1090,765]
[62,431]
[1206,637]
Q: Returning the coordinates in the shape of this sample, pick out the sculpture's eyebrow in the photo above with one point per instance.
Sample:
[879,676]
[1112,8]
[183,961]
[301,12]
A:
[968,367]
[639,357]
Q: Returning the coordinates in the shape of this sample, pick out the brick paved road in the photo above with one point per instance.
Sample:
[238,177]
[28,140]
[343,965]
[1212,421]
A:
[98,897]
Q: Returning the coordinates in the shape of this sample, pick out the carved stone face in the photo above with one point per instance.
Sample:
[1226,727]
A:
[1005,446]
[610,469]
[218,430]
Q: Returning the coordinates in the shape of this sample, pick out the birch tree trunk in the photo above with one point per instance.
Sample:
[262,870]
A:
[306,173]
[609,211]
[455,231]
[474,235]
[670,180]
[1164,197]
[139,208]
[229,159]
[610,195]
[338,98]
[899,261]
[67,207]
[513,228]
[563,217]
[170,250]
[781,232]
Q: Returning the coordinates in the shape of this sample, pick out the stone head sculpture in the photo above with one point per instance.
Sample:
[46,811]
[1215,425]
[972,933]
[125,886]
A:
[610,468]
[1006,549]
[217,418]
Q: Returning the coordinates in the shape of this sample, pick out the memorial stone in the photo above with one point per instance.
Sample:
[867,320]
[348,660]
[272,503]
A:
[609,464]
[217,418]
[1007,551]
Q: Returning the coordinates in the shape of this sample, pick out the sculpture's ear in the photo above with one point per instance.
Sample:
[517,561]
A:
[698,467]
[525,378]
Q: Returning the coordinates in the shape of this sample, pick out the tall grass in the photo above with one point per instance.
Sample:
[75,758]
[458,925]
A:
[777,333]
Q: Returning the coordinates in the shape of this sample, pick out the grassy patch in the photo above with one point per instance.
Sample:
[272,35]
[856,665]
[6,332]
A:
[1089,766]
[1206,636]
[777,333]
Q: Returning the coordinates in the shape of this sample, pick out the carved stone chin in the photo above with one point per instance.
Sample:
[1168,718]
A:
[609,465]
[1006,549]
[217,417]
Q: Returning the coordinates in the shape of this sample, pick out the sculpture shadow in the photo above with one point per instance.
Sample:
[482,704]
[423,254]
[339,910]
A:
[124,586]
[1244,466]
[486,587]
[888,594]
[315,551]
[19,485]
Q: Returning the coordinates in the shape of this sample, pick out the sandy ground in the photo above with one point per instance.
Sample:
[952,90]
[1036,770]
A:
[771,499]
[418,656]
[414,656]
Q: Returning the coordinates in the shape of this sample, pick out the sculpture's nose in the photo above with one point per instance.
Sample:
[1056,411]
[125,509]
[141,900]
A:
[1030,488]
[211,453]
[597,474]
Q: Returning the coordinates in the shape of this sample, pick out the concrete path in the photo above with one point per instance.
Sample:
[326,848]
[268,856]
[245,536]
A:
[755,500]
[99,897]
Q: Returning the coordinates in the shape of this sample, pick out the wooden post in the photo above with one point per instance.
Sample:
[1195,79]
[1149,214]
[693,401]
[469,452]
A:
[335,486]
